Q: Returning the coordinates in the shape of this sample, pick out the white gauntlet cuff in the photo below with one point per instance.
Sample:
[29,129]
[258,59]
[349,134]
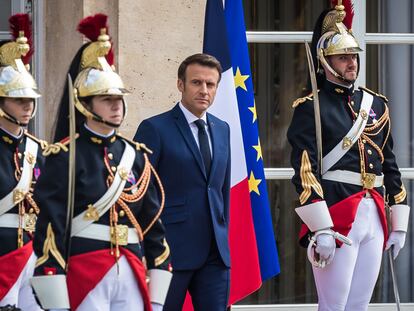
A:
[315,215]
[158,285]
[51,290]
[400,213]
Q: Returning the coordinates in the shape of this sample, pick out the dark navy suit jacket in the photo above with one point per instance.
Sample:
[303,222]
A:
[197,206]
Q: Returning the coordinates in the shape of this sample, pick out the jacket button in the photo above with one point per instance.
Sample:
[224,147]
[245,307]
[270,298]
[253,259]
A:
[371,166]
[369,151]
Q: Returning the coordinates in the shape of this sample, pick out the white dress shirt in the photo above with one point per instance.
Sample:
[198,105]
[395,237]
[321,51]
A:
[194,129]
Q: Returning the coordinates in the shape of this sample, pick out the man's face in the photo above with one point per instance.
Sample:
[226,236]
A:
[199,88]
[19,108]
[109,107]
[344,64]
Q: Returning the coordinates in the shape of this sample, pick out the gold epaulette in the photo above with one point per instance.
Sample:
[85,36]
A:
[58,147]
[42,143]
[374,93]
[137,145]
[301,100]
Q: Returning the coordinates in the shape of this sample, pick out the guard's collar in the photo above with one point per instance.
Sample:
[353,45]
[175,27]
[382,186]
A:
[97,138]
[10,139]
[338,89]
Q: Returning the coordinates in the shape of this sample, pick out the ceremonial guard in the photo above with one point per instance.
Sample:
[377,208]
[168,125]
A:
[344,169]
[20,166]
[98,259]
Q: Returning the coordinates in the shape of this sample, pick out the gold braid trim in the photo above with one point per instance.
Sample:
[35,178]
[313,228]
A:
[131,218]
[50,246]
[140,188]
[58,147]
[374,93]
[400,197]
[374,145]
[380,124]
[388,134]
[309,180]
[162,200]
[301,100]
[138,146]
[55,149]
[32,202]
[43,143]
[372,130]
[164,256]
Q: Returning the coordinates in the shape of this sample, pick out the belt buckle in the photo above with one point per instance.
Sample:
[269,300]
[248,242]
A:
[120,235]
[368,180]
[29,222]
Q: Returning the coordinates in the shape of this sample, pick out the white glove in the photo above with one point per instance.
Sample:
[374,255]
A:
[325,247]
[156,306]
[396,238]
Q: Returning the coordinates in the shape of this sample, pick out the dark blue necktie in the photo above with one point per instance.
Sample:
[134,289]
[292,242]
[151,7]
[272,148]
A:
[204,145]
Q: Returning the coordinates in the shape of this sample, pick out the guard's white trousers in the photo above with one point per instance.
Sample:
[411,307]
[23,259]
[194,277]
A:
[21,294]
[117,291]
[348,282]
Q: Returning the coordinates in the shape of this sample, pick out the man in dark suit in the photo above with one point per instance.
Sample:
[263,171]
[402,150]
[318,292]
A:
[191,153]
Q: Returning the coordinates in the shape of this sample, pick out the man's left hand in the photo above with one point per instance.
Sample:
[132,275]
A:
[396,238]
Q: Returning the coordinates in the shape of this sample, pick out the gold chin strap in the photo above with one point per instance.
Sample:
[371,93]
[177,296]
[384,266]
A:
[93,116]
[327,66]
[10,118]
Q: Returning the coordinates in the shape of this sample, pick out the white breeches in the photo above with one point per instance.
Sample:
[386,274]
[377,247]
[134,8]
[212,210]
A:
[118,290]
[348,282]
[21,294]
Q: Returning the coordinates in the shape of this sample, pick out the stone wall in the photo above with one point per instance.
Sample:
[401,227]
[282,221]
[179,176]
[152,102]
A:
[151,38]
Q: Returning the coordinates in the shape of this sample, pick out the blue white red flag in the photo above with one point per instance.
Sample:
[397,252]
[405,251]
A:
[253,249]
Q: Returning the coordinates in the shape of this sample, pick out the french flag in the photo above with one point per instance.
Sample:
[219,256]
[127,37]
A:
[253,249]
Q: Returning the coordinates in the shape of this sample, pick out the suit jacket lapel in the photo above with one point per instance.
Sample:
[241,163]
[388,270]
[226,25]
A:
[185,131]
[215,136]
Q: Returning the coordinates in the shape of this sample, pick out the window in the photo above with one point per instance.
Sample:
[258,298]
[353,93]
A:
[276,30]
[5,12]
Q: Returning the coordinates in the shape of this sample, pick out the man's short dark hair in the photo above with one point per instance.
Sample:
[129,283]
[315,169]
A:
[200,59]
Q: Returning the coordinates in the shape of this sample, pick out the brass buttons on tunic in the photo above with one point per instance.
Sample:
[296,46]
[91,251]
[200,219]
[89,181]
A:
[369,151]
[121,213]
[110,156]
[371,166]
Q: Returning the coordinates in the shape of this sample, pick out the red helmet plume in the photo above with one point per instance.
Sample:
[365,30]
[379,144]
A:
[91,27]
[21,22]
